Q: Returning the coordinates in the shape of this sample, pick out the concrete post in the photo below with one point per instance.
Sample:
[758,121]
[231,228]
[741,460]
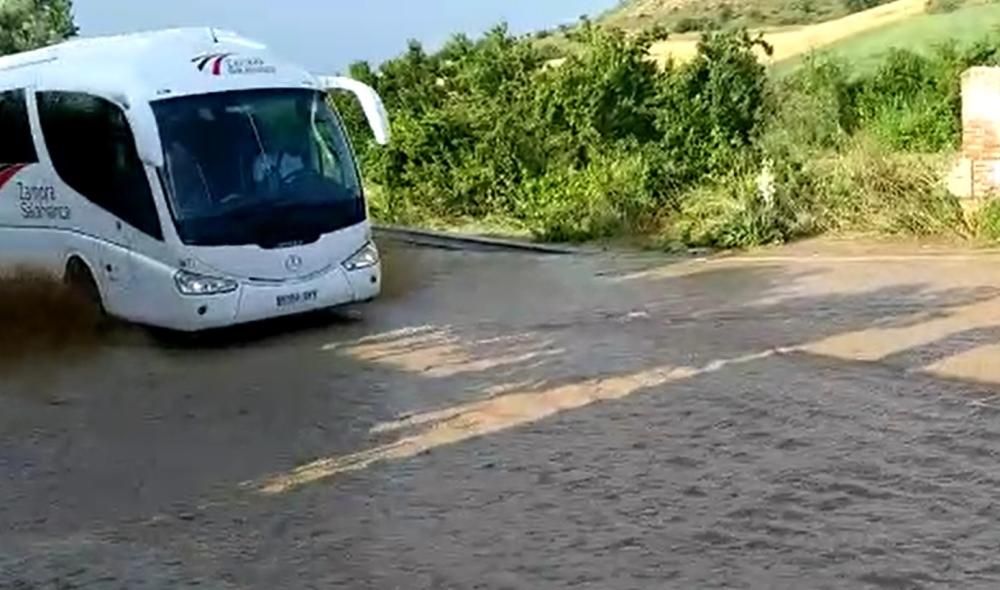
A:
[981,131]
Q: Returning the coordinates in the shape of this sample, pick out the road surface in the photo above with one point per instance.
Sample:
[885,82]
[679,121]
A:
[821,416]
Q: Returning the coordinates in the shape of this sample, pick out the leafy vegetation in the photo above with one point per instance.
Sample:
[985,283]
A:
[714,151]
[594,147]
[28,24]
[988,221]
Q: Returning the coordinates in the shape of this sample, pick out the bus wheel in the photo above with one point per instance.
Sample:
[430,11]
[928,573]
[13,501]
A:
[80,280]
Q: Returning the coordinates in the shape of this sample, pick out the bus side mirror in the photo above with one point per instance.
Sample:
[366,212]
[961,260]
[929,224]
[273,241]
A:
[149,150]
[371,103]
[147,135]
[142,125]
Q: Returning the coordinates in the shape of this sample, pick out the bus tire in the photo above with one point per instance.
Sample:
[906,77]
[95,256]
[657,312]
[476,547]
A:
[80,280]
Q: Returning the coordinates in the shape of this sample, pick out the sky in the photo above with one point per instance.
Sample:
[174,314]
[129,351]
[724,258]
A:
[327,35]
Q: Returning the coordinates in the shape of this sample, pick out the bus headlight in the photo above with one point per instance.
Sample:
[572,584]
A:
[366,257]
[189,283]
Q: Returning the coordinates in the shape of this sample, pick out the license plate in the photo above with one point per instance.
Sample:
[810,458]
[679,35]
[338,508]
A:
[298,298]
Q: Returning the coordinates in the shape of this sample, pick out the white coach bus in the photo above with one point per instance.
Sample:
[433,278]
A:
[184,179]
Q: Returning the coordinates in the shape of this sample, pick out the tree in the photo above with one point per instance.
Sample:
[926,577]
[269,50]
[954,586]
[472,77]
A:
[29,24]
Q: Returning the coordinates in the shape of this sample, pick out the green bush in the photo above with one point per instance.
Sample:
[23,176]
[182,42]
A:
[943,6]
[734,213]
[691,24]
[864,188]
[988,221]
[765,202]
[29,24]
[868,188]
[859,5]
[605,198]
[913,102]
[909,103]
[598,145]
[813,107]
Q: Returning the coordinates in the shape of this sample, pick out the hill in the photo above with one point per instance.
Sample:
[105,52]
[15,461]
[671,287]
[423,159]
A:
[920,33]
[790,42]
[682,16]
[859,36]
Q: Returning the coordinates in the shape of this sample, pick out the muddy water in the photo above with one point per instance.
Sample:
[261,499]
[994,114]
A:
[820,418]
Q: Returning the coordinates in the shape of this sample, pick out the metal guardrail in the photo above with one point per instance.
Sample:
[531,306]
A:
[452,241]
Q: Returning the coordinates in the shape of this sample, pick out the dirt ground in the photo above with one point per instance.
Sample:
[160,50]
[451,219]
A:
[825,416]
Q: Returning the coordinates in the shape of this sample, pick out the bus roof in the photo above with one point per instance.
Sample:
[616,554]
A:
[153,65]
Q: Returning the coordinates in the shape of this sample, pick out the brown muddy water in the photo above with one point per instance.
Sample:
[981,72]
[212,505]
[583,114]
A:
[40,315]
[824,416]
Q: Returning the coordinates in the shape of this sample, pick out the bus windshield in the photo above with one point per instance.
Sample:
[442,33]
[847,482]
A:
[267,167]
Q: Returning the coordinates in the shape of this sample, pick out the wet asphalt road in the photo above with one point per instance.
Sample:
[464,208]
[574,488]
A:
[823,416]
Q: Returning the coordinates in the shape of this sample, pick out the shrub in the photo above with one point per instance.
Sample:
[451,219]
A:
[691,24]
[604,198]
[607,143]
[870,189]
[943,6]
[912,102]
[28,24]
[814,107]
[688,24]
[987,221]
[859,5]
[909,103]
[755,205]
[592,146]
[863,189]
[805,7]
[713,107]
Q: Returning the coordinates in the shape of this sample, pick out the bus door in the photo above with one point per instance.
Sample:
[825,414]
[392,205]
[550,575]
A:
[92,148]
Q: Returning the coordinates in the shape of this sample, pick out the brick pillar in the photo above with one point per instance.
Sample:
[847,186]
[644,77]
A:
[981,129]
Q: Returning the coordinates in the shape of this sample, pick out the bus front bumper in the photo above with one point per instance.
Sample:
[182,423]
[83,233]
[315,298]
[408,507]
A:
[252,302]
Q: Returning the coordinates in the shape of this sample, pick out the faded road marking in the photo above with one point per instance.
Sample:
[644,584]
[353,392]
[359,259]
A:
[879,343]
[438,353]
[979,364]
[478,419]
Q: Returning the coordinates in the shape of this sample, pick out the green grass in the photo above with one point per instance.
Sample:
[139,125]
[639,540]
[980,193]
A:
[920,33]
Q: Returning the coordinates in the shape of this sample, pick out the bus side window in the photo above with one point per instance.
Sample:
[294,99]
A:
[93,151]
[16,144]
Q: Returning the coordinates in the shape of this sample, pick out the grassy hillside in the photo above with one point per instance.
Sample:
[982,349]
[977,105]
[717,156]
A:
[685,20]
[791,42]
[919,33]
[689,15]
[862,37]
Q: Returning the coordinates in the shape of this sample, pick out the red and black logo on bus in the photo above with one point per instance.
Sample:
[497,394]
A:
[219,64]
[211,62]
[8,172]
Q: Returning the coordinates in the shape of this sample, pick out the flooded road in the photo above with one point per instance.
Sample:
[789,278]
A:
[821,416]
